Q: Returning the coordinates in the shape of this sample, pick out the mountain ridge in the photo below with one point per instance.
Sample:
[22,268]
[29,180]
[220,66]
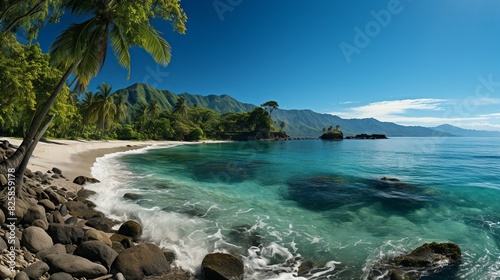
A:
[298,122]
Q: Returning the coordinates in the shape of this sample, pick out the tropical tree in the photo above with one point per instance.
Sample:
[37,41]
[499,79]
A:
[181,108]
[104,107]
[270,106]
[153,109]
[121,107]
[81,50]
[282,125]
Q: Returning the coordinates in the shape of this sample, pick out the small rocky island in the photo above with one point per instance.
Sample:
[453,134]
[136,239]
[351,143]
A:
[332,134]
[367,136]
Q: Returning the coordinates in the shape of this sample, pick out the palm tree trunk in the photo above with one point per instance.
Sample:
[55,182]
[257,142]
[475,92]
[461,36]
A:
[24,163]
[16,159]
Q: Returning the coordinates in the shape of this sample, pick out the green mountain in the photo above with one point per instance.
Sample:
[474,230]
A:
[298,123]
[447,128]
[141,94]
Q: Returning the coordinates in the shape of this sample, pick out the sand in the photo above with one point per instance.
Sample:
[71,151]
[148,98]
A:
[76,157]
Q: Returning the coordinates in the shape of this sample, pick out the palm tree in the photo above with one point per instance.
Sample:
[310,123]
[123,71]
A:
[104,107]
[81,51]
[121,107]
[153,110]
[181,108]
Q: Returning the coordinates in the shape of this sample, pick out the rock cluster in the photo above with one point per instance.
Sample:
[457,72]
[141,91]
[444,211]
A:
[59,234]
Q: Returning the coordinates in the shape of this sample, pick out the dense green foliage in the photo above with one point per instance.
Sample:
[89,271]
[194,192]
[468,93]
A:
[26,80]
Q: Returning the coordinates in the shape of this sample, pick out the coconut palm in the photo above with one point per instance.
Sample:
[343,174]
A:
[153,110]
[121,107]
[104,107]
[81,51]
[181,108]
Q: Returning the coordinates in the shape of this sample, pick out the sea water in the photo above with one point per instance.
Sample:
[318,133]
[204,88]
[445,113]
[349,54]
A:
[315,207]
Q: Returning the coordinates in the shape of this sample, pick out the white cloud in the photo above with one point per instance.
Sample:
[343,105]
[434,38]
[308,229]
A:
[427,112]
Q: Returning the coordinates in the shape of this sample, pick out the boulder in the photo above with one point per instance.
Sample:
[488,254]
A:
[56,171]
[132,229]
[64,210]
[85,193]
[53,196]
[2,217]
[41,224]
[103,224]
[131,196]
[94,234]
[35,212]
[76,206]
[57,217]
[36,239]
[3,180]
[96,251]
[3,245]
[5,272]
[56,249]
[22,276]
[436,260]
[61,276]
[47,204]
[221,266]
[87,214]
[81,180]
[176,274]
[141,261]
[74,265]
[71,220]
[65,234]
[36,270]
[28,173]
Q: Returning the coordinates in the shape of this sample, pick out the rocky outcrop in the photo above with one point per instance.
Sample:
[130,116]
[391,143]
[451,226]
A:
[97,251]
[439,260]
[332,135]
[221,266]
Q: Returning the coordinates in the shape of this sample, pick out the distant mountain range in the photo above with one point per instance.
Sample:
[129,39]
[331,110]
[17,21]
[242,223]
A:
[299,123]
[457,131]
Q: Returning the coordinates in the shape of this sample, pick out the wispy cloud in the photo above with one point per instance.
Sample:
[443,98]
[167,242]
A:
[427,112]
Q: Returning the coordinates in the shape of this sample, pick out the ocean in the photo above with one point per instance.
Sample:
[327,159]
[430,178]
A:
[320,205]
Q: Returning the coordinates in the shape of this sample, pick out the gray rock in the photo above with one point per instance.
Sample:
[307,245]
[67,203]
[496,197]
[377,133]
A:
[22,276]
[74,265]
[53,196]
[76,206]
[103,224]
[3,244]
[94,234]
[132,229]
[119,276]
[55,176]
[141,261]
[71,221]
[3,180]
[56,249]
[47,204]
[56,170]
[57,217]
[61,276]
[64,210]
[97,251]
[2,216]
[433,260]
[41,224]
[220,266]
[85,193]
[5,272]
[35,212]
[81,180]
[66,234]
[36,270]
[36,239]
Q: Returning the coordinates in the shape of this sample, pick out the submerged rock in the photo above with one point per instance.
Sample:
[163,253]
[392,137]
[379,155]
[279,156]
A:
[436,260]
[324,192]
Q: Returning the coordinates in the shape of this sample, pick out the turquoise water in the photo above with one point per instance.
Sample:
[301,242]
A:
[282,204]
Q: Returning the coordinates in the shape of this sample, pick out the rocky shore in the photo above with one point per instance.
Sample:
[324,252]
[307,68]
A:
[56,233]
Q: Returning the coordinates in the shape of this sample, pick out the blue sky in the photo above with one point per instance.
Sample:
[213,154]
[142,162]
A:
[424,62]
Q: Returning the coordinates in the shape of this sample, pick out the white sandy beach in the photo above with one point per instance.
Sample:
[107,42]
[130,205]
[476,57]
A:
[76,157]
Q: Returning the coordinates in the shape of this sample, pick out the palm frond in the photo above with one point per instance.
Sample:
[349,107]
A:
[120,48]
[154,44]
